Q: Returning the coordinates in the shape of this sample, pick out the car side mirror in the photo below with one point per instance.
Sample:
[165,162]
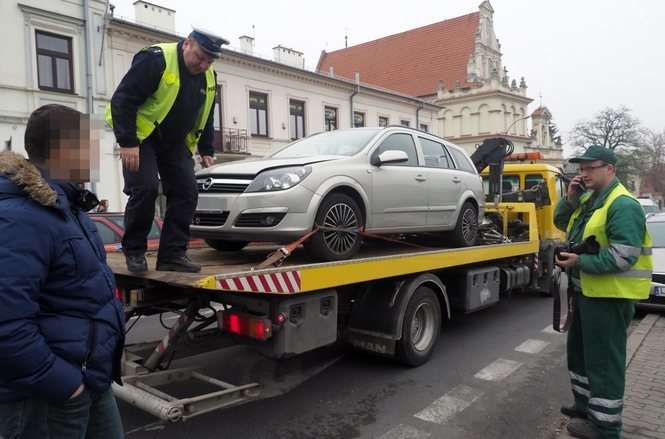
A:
[391,156]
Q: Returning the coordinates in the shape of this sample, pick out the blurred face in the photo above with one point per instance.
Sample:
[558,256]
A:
[196,60]
[596,174]
[74,151]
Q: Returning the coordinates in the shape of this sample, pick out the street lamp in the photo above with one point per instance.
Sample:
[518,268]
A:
[514,122]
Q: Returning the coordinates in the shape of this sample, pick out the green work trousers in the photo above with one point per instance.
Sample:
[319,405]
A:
[597,359]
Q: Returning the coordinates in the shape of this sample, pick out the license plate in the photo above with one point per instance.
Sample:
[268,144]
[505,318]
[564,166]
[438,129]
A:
[659,291]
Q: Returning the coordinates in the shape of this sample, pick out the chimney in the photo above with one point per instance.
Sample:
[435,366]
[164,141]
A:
[152,15]
[290,57]
[246,44]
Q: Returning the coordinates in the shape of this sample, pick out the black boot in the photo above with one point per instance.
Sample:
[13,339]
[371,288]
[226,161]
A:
[582,429]
[572,411]
[182,264]
[136,263]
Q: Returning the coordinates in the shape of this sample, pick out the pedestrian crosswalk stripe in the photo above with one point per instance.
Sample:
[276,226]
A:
[532,346]
[405,432]
[498,370]
[453,402]
[550,330]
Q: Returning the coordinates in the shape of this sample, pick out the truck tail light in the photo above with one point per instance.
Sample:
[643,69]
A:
[234,322]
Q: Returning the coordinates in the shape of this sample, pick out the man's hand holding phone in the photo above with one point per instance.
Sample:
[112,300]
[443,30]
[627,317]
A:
[576,187]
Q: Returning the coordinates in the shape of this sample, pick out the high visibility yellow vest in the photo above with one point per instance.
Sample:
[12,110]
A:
[632,283]
[153,111]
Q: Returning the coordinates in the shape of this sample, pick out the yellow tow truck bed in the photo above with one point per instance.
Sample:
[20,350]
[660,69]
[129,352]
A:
[234,272]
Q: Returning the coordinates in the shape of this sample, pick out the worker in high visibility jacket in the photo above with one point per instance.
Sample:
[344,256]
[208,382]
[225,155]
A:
[605,286]
[161,112]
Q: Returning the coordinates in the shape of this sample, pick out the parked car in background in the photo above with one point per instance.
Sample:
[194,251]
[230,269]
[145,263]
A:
[649,205]
[656,227]
[111,228]
[384,180]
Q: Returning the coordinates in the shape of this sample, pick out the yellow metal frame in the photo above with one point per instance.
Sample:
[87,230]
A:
[329,275]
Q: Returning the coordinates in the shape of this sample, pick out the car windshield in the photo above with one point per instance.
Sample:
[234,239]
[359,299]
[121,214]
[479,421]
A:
[657,232]
[339,142]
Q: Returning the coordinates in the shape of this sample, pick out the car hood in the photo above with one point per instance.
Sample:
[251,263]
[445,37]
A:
[251,167]
[659,260]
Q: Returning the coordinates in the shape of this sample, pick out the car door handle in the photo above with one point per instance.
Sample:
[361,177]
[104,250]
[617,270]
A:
[456,179]
[420,178]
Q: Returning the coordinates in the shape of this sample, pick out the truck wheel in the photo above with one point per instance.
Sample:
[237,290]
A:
[421,328]
[223,245]
[466,229]
[336,211]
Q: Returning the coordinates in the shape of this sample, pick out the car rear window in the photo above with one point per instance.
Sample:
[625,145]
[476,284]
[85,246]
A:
[463,163]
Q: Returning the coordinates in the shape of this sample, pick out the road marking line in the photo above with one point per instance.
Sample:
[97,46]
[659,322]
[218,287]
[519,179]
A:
[498,370]
[405,432]
[449,405]
[550,330]
[532,346]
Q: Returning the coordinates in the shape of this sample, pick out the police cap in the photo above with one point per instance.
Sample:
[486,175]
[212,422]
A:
[210,43]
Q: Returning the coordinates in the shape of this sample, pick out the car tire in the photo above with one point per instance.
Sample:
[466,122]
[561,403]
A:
[336,210]
[465,233]
[421,327]
[226,246]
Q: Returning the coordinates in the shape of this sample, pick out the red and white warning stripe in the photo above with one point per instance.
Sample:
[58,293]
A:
[287,282]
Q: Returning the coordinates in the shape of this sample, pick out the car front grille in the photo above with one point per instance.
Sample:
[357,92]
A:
[210,219]
[259,219]
[223,184]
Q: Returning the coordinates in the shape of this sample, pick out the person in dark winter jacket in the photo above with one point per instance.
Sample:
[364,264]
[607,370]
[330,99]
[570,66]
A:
[61,325]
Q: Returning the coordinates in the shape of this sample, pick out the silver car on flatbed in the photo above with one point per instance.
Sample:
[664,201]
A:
[391,180]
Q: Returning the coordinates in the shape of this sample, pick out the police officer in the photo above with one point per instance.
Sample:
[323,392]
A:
[605,286]
[160,113]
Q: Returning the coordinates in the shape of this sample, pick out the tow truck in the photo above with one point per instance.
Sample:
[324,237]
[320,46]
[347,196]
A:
[241,325]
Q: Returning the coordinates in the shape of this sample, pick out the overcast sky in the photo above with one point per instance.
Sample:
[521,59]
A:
[581,55]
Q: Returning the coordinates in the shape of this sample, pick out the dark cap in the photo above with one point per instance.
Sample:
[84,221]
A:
[210,43]
[596,152]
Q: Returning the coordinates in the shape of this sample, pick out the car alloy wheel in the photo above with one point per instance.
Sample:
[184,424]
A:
[469,225]
[342,217]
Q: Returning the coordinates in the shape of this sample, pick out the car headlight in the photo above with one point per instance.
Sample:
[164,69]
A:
[279,179]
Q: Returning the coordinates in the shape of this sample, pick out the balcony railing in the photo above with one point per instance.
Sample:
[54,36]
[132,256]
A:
[232,140]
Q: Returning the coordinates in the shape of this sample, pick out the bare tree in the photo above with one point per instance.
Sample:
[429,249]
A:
[652,158]
[611,128]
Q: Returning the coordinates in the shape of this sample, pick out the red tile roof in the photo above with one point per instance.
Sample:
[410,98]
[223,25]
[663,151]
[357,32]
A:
[411,62]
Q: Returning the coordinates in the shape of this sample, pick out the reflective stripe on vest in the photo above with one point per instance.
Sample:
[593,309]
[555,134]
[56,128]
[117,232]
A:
[155,109]
[633,282]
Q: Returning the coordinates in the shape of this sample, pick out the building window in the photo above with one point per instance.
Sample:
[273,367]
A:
[358,119]
[297,119]
[54,62]
[383,121]
[258,113]
[330,118]
[405,123]
[424,127]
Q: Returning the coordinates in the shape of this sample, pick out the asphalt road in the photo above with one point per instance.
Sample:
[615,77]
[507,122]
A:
[477,385]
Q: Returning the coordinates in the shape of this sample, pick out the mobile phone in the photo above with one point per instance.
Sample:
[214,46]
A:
[581,187]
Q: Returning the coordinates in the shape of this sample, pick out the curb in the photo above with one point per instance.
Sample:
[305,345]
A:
[638,335]
[633,343]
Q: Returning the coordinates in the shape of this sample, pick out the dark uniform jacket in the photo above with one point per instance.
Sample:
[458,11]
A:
[60,322]
[140,82]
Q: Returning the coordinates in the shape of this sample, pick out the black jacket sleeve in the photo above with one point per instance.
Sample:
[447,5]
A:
[205,141]
[139,83]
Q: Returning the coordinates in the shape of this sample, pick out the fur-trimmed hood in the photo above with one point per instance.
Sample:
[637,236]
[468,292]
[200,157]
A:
[27,177]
